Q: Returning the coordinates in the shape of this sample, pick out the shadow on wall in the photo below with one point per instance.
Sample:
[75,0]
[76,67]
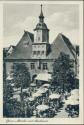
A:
[33,77]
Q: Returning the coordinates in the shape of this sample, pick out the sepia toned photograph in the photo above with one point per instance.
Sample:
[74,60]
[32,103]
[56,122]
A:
[41,60]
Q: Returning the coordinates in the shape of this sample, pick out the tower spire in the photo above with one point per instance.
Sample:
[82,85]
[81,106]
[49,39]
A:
[41,11]
[41,17]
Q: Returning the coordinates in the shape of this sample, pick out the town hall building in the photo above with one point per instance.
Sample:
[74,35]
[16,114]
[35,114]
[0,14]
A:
[36,51]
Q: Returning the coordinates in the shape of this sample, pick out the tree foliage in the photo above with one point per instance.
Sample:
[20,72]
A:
[21,78]
[21,75]
[12,108]
[7,95]
[63,74]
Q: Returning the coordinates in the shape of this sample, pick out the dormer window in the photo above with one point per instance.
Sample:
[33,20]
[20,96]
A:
[26,43]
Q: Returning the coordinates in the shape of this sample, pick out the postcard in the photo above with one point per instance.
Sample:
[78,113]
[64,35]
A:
[41,59]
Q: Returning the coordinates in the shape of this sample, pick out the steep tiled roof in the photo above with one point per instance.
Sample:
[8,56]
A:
[23,50]
[61,44]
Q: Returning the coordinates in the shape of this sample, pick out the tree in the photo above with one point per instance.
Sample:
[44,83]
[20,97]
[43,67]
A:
[7,93]
[21,77]
[63,75]
[12,109]
[8,101]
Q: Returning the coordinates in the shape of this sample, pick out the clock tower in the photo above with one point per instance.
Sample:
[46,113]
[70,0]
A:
[41,39]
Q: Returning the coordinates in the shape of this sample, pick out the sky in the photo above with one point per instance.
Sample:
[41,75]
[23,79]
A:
[60,18]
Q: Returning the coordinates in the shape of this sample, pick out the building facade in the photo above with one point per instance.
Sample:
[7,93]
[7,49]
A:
[36,51]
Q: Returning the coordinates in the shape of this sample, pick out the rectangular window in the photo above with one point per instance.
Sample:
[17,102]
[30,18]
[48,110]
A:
[34,52]
[32,66]
[45,66]
[38,52]
[38,38]
[42,52]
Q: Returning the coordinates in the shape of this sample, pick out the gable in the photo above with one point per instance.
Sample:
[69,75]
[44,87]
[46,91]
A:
[23,49]
[61,44]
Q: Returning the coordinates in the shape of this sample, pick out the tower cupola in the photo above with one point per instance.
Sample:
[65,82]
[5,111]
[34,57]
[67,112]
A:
[41,25]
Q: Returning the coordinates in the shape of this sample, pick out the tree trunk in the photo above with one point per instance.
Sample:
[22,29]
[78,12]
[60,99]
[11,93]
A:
[21,95]
[63,87]
[21,98]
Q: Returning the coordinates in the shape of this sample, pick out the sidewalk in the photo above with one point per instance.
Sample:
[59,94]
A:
[62,113]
